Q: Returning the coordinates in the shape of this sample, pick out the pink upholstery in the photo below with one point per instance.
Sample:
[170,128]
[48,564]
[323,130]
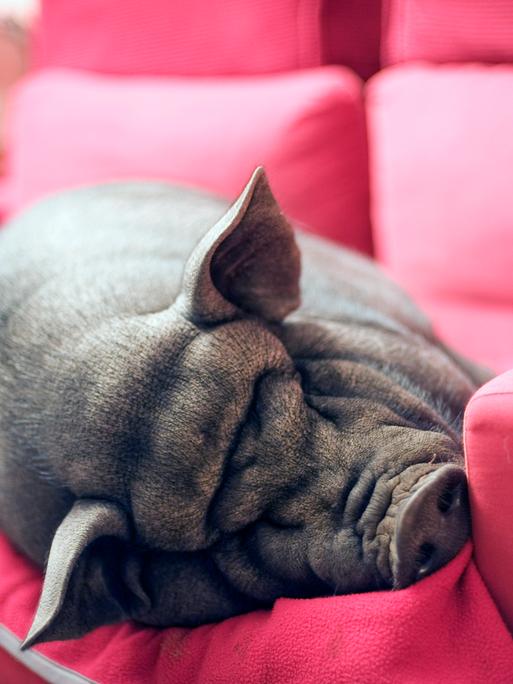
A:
[448,30]
[489,447]
[122,36]
[482,329]
[308,129]
[14,672]
[218,37]
[442,154]
[434,631]
[351,32]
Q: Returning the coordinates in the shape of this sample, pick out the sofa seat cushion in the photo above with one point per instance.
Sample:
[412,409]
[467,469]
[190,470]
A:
[396,636]
[482,330]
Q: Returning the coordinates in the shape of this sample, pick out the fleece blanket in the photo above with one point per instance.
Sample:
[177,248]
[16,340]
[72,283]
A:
[444,629]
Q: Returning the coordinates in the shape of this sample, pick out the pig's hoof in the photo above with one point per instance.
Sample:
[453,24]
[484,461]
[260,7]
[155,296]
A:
[432,526]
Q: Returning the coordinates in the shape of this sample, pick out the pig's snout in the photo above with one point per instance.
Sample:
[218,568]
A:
[431,527]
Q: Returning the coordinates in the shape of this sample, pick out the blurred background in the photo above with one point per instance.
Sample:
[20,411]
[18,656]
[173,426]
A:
[385,125]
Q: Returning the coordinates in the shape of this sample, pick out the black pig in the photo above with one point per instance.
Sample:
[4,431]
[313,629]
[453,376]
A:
[185,434]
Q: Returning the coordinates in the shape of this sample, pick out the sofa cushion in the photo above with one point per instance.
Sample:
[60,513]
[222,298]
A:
[400,636]
[481,329]
[15,672]
[447,30]
[69,128]
[442,205]
[489,448]
[219,37]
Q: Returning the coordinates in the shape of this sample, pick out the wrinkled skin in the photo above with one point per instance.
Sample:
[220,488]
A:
[181,445]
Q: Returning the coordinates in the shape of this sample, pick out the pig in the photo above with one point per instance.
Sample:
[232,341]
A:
[193,423]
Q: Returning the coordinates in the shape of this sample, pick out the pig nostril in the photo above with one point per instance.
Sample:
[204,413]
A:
[424,556]
[446,499]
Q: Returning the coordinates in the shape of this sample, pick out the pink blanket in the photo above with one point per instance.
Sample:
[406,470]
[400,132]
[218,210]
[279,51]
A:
[444,629]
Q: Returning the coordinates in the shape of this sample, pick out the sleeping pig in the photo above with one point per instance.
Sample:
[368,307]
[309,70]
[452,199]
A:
[193,423]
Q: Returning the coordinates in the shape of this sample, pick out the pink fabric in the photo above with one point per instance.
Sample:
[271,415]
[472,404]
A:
[187,38]
[442,154]
[308,129]
[351,32]
[489,445]
[444,629]
[480,328]
[448,30]
[14,672]
[219,37]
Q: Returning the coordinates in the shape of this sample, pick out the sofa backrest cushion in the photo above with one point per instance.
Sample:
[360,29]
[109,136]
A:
[442,200]
[69,128]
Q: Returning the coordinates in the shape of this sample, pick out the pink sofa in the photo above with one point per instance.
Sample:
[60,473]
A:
[411,165]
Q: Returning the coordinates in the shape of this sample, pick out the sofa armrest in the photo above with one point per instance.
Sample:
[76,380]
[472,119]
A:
[489,455]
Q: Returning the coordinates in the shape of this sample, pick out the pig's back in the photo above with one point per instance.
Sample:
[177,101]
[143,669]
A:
[120,248]
[117,237]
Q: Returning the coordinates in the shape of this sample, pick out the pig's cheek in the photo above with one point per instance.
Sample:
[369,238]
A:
[187,590]
[337,559]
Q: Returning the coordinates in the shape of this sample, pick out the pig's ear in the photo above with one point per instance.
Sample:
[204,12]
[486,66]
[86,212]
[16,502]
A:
[91,577]
[247,263]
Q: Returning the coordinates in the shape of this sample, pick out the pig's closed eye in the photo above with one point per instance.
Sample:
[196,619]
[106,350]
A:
[448,497]
[424,556]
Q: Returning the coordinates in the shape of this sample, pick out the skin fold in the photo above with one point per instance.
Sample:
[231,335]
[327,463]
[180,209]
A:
[202,410]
